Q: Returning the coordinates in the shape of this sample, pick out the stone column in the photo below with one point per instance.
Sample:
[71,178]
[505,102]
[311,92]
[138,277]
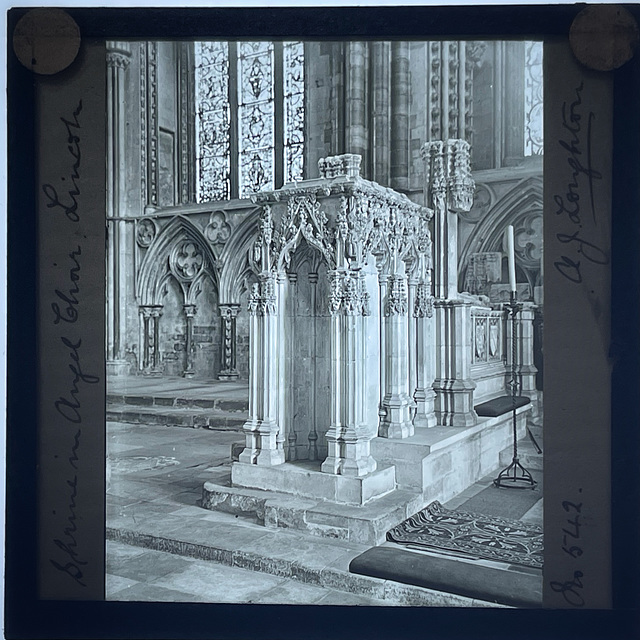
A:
[281,365]
[313,433]
[412,353]
[145,341]
[425,347]
[512,99]
[118,61]
[400,115]
[189,312]
[382,282]
[349,437]
[453,384]
[228,313]
[380,148]
[525,368]
[150,338]
[261,429]
[356,132]
[449,189]
[396,422]
[292,436]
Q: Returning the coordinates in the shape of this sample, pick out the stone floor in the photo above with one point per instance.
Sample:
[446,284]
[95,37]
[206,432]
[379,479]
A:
[155,480]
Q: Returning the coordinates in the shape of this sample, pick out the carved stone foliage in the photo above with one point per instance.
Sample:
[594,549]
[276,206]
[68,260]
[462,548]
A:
[423,306]
[347,164]
[145,232]
[305,218]
[218,230]
[348,294]
[396,302]
[448,173]
[118,57]
[369,220]
[262,299]
[186,260]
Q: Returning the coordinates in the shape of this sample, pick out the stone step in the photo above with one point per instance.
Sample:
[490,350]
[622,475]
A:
[366,524]
[216,420]
[217,404]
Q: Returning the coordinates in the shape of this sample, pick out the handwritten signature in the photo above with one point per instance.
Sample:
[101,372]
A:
[569,204]
[570,589]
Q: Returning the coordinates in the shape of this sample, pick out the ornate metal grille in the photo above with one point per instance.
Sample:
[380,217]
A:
[266,104]
[533,99]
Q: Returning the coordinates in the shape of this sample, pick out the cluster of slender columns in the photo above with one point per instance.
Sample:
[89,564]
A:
[150,338]
[228,313]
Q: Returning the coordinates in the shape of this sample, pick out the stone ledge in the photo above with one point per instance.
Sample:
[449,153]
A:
[331,577]
[441,462]
[307,483]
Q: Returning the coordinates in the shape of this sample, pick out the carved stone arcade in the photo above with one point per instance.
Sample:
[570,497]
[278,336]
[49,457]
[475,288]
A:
[372,242]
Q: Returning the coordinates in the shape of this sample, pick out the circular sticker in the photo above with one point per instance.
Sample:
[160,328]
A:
[46,41]
[604,37]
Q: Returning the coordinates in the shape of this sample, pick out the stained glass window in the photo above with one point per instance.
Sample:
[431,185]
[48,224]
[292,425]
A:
[533,99]
[212,121]
[294,110]
[255,117]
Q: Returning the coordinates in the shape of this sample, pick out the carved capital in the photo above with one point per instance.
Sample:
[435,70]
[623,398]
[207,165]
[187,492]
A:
[228,311]
[189,310]
[347,164]
[423,307]
[348,295]
[396,302]
[118,58]
[263,300]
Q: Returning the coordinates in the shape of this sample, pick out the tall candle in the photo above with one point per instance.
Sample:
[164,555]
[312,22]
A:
[512,259]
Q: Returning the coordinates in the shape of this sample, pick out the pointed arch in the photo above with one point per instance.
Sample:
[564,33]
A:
[524,199]
[155,270]
[234,258]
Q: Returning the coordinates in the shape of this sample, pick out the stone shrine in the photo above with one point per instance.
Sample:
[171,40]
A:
[364,357]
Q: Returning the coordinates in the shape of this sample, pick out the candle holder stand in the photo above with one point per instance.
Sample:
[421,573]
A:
[515,476]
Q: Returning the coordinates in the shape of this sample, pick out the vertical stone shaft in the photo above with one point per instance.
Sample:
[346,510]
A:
[313,433]
[292,436]
[525,367]
[348,439]
[412,372]
[262,429]
[513,121]
[155,317]
[282,404]
[396,422]
[453,384]
[118,60]
[189,312]
[228,313]
[399,115]
[425,364]
[356,99]
[381,57]
[382,281]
